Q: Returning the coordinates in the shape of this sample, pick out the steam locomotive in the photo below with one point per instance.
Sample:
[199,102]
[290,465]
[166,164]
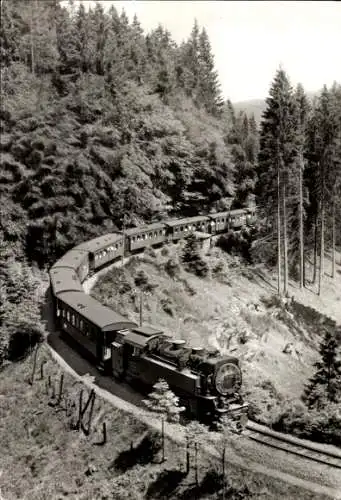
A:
[206,382]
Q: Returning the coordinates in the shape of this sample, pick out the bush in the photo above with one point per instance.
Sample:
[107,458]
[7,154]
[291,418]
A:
[149,252]
[318,425]
[164,251]
[172,268]
[141,279]
[191,258]
[237,243]
[166,304]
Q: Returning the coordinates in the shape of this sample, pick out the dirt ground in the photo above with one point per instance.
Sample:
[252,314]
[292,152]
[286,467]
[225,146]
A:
[47,458]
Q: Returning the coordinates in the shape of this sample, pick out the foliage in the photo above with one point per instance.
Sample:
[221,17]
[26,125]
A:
[172,267]
[325,385]
[322,425]
[192,259]
[299,175]
[20,324]
[238,243]
[163,401]
[104,126]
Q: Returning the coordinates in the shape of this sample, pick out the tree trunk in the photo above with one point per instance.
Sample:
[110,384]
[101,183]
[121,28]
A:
[285,240]
[31,42]
[187,456]
[278,235]
[34,364]
[301,229]
[141,293]
[315,248]
[321,273]
[196,464]
[60,393]
[223,460]
[163,439]
[333,238]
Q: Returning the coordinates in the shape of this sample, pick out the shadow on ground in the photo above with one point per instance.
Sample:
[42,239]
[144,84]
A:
[165,484]
[144,453]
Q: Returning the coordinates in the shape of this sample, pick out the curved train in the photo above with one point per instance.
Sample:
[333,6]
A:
[209,384]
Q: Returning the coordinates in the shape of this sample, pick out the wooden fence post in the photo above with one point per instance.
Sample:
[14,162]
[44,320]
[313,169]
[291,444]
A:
[34,364]
[91,411]
[80,410]
[60,388]
[42,369]
[104,432]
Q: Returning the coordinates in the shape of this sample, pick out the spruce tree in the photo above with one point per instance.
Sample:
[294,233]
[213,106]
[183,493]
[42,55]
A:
[208,94]
[244,140]
[164,402]
[299,195]
[325,385]
[276,163]
[323,154]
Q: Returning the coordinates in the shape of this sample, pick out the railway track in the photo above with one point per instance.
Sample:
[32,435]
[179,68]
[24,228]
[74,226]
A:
[293,445]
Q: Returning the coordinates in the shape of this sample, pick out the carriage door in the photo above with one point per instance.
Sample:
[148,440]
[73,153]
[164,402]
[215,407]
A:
[117,359]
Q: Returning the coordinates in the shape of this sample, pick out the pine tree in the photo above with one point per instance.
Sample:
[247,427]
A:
[334,177]
[164,402]
[276,162]
[325,385]
[323,154]
[9,35]
[302,115]
[83,26]
[188,66]
[244,140]
[228,431]
[208,93]
[196,435]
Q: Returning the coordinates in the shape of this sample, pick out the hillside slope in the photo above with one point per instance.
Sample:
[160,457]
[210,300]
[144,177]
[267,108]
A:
[234,309]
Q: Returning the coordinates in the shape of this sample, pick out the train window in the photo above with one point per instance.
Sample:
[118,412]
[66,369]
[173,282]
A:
[81,324]
[58,312]
[73,319]
[68,316]
[163,231]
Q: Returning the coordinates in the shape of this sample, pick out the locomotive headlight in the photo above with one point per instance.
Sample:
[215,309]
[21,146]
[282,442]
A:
[228,379]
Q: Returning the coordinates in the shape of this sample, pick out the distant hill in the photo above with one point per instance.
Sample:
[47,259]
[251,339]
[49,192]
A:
[257,106]
[252,106]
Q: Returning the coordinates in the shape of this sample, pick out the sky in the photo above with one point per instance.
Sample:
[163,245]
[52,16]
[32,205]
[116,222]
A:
[251,39]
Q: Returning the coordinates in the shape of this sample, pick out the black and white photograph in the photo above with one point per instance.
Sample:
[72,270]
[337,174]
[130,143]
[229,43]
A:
[170,250]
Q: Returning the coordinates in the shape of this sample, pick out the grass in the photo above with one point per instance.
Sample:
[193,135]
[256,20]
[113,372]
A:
[233,309]
[47,458]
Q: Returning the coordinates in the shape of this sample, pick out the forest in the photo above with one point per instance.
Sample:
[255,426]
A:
[104,127]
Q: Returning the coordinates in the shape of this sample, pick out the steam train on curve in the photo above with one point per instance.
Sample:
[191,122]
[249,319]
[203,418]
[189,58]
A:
[206,382]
